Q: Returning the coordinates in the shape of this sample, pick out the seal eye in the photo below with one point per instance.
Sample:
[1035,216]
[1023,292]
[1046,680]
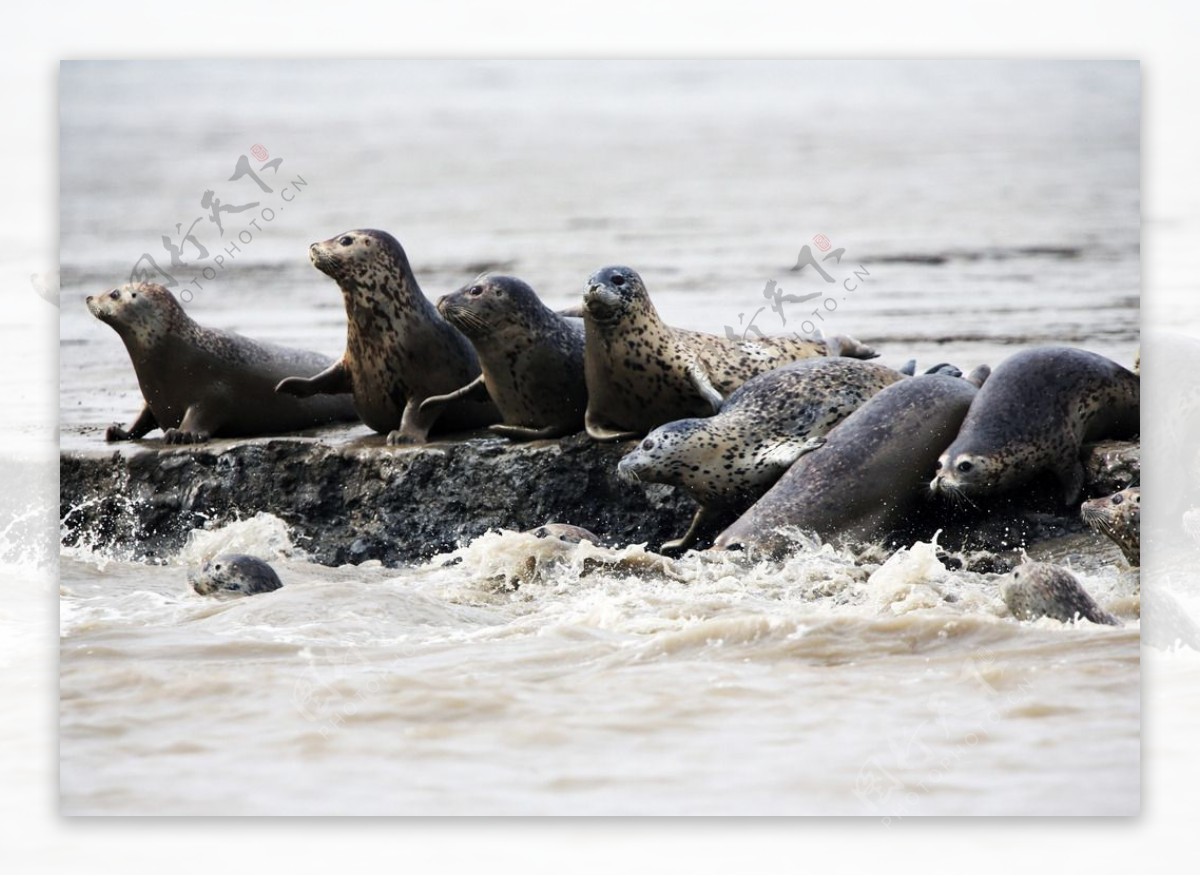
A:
[965,466]
[1118,499]
[618,279]
[114,294]
[939,466]
[648,444]
[475,291]
[346,241]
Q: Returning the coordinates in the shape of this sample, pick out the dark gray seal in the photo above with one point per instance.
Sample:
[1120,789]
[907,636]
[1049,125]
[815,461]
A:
[234,574]
[642,373]
[1119,517]
[198,382]
[1033,415]
[864,481]
[1044,590]
[399,350]
[532,358]
[770,421]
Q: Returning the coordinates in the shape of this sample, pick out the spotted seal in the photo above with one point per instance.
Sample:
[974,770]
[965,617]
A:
[200,382]
[642,373]
[234,573]
[399,350]
[1033,415]
[1119,517]
[864,481]
[1044,590]
[532,358]
[761,429]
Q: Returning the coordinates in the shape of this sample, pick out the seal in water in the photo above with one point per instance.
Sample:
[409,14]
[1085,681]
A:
[1119,517]
[199,382]
[234,573]
[770,421]
[532,358]
[864,480]
[399,351]
[642,373]
[1044,590]
[1033,415]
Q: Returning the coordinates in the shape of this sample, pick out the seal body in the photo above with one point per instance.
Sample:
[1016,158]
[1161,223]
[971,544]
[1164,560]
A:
[531,358]
[1033,415]
[399,350]
[642,373]
[234,574]
[867,476]
[1044,590]
[199,382]
[1119,517]
[762,428]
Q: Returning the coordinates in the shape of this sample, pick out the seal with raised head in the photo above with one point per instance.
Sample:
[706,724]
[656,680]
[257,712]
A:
[767,423]
[199,383]
[1044,590]
[1119,517]
[865,480]
[399,350]
[532,358]
[239,574]
[1033,415]
[642,373]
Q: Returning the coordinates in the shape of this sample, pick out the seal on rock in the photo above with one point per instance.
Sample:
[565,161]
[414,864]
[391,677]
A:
[761,429]
[1044,590]
[865,479]
[234,573]
[1119,517]
[399,350]
[1034,414]
[198,382]
[642,373]
[532,358]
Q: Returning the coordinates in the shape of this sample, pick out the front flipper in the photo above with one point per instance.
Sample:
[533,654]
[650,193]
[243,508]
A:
[144,423]
[704,386]
[604,433]
[334,380]
[1071,477]
[690,537]
[476,390]
[197,427]
[414,424]
[787,452]
[522,433]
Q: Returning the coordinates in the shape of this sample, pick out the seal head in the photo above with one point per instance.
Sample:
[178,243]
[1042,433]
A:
[234,574]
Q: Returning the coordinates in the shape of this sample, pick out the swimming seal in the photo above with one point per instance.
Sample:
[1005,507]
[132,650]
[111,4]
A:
[1034,414]
[865,479]
[762,428]
[1119,517]
[642,373]
[399,351]
[532,358]
[234,573]
[199,382]
[1044,590]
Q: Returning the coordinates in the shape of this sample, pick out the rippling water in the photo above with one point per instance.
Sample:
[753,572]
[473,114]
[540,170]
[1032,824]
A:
[994,206]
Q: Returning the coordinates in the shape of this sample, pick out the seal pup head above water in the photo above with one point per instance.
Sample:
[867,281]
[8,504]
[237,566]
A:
[237,574]
[1033,415]
[1119,517]
[532,357]
[761,429]
[199,382]
[1037,590]
[399,350]
[642,373]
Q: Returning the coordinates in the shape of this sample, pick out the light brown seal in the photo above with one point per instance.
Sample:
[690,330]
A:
[199,382]
[532,358]
[1033,415]
[642,373]
[770,421]
[399,350]
[1119,517]
[1044,590]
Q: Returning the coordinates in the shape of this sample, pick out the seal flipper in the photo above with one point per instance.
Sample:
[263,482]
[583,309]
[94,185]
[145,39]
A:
[197,427]
[144,423]
[603,433]
[704,386]
[524,433]
[414,424]
[334,380]
[476,390]
[909,368]
[690,537]
[1071,477]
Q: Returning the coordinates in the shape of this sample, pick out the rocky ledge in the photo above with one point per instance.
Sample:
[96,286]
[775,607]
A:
[352,502]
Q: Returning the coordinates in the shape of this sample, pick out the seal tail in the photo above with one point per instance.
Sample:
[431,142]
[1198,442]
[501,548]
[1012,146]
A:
[844,345]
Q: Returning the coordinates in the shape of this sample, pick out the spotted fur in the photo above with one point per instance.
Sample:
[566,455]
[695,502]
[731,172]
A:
[1033,415]
[234,574]
[200,382]
[1037,590]
[642,373]
[1119,517]
[532,357]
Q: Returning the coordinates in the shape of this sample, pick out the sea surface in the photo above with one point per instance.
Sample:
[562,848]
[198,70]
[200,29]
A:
[975,209]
